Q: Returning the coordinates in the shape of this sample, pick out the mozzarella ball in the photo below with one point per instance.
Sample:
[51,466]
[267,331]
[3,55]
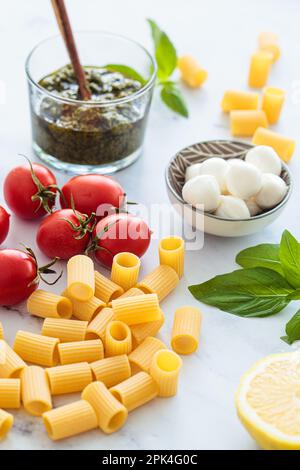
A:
[232,207]
[216,167]
[272,192]
[243,179]
[253,207]
[204,190]
[193,170]
[265,159]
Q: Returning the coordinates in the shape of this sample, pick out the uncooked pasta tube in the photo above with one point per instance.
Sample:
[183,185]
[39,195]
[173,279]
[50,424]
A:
[125,270]
[260,66]
[1,331]
[6,422]
[143,330]
[135,391]
[47,305]
[135,310]
[171,253]
[191,72]
[36,395]
[97,327]
[186,330]
[111,370]
[10,393]
[37,349]
[133,292]
[12,365]
[234,99]
[85,311]
[140,359]
[81,351]
[245,123]
[110,412]
[269,42]
[161,281]
[70,378]
[117,339]
[81,278]
[69,420]
[105,289]
[272,102]
[165,368]
[65,330]
[284,146]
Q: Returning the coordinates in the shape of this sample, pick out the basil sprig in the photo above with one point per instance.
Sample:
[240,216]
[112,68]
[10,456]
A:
[166,59]
[269,281]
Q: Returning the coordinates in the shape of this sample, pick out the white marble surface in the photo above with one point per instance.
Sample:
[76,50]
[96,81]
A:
[222,34]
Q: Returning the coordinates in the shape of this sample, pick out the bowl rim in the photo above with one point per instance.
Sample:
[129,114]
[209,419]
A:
[148,85]
[225,219]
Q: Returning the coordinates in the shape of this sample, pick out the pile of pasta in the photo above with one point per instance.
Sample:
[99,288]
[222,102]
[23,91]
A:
[249,118]
[108,351]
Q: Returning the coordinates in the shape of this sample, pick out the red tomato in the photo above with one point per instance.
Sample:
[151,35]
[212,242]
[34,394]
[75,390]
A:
[4,224]
[17,273]
[30,192]
[126,232]
[91,191]
[63,234]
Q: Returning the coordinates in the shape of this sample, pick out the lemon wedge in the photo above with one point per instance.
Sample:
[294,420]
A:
[268,401]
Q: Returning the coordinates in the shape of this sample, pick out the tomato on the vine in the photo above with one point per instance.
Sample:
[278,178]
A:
[64,233]
[92,193]
[4,224]
[119,232]
[30,190]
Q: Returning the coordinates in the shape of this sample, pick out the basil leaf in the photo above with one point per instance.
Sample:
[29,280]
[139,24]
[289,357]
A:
[127,71]
[165,52]
[289,254]
[252,292]
[265,255]
[173,98]
[292,329]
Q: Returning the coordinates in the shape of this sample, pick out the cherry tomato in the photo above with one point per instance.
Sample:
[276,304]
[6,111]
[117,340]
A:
[4,224]
[64,233]
[30,191]
[89,192]
[125,232]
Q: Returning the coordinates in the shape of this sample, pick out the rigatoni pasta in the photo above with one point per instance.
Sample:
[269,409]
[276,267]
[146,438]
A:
[135,391]
[133,292]
[268,41]
[272,102]
[171,253]
[69,378]
[6,422]
[143,330]
[125,270]
[105,289]
[161,281]
[259,70]
[69,420]
[111,370]
[110,412]
[97,327]
[37,349]
[191,72]
[165,368]
[117,339]
[245,123]
[81,278]
[186,330]
[85,311]
[234,99]
[47,305]
[139,309]
[36,395]
[141,357]
[12,365]
[80,351]
[284,146]
[10,393]
[65,330]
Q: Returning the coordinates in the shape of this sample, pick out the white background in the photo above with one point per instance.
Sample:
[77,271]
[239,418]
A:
[222,35]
